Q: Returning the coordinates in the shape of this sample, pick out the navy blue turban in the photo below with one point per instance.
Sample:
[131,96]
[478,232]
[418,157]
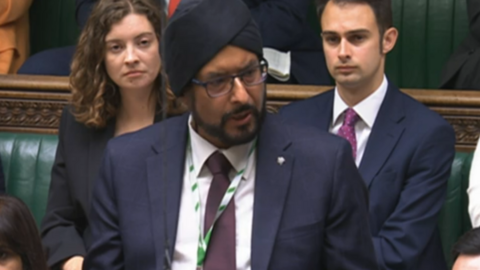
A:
[198,30]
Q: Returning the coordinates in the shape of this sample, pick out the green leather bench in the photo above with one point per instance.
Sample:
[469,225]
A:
[454,220]
[28,158]
[430,31]
[27,162]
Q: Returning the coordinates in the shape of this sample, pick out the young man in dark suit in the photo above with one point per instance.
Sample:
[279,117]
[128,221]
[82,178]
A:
[403,150]
[226,186]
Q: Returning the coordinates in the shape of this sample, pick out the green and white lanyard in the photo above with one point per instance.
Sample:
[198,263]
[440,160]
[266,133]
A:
[232,188]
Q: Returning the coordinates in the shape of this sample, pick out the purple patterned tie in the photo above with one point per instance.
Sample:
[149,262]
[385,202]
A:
[347,130]
[221,249]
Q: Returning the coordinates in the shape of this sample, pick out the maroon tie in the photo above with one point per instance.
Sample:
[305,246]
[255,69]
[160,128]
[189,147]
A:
[221,249]
[347,130]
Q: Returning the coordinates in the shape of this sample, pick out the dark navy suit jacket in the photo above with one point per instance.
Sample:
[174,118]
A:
[283,25]
[311,212]
[406,166]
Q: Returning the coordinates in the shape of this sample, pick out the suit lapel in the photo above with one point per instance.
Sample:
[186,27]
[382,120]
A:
[386,131]
[272,181]
[164,180]
[325,111]
[96,148]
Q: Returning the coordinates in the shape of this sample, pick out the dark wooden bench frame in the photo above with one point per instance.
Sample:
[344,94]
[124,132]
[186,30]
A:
[34,104]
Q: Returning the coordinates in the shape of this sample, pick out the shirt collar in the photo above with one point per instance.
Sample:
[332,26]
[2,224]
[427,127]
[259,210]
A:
[367,109]
[203,149]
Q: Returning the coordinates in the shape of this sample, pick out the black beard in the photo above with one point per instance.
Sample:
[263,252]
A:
[218,131]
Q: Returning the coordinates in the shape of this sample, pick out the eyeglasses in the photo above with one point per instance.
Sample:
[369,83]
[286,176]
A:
[224,85]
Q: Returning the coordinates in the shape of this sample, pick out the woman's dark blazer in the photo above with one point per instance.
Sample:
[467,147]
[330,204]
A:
[80,149]
[65,231]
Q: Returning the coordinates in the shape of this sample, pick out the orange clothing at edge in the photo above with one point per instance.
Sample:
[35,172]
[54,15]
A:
[14,34]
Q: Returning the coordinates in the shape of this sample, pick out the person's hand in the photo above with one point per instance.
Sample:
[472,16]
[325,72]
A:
[74,263]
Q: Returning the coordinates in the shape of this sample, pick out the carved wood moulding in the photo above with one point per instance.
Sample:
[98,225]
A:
[467,129]
[30,114]
[35,103]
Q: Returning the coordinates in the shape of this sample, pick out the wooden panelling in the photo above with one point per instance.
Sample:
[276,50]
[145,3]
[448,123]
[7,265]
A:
[34,104]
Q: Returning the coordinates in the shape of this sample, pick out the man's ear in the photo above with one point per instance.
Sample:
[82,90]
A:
[389,40]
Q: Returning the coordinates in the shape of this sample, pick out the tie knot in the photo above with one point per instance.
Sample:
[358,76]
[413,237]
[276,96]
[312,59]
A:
[351,117]
[217,163]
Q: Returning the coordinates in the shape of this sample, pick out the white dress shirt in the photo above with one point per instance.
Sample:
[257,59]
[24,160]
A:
[474,189]
[185,253]
[167,2]
[367,110]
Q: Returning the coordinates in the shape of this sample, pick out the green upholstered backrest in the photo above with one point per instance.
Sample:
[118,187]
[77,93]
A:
[430,31]
[454,220]
[312,18]
[27,162]
[52,24]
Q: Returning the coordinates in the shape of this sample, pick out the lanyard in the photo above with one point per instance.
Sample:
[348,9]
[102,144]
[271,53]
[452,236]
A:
[203,241]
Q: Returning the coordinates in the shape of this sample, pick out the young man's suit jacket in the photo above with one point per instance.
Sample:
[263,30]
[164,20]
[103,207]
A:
[406,166]
[310,212]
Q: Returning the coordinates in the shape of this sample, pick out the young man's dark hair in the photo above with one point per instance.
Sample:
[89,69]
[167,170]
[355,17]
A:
[468,244]
[381,8]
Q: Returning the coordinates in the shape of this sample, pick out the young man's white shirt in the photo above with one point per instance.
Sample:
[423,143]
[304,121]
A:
[367,110]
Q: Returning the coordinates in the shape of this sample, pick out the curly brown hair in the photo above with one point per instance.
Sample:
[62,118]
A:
[95,97]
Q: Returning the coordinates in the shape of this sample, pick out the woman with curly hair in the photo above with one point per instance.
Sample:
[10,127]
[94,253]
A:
[116,83]
[20,246]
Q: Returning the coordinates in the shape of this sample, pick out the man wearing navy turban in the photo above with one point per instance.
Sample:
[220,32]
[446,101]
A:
[226,186]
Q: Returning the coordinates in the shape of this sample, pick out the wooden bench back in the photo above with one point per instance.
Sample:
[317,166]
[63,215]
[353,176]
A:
[35,103]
